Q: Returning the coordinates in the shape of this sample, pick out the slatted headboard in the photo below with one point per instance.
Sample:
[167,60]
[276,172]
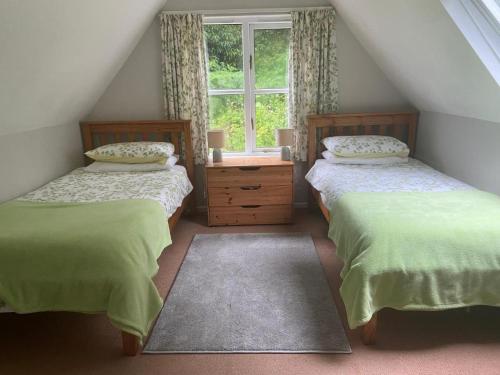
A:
[177,132]
[400,125]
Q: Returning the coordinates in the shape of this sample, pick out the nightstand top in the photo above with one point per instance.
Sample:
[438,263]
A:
[247,161]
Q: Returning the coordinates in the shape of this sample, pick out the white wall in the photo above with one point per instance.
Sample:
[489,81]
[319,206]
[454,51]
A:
[30,159]
[363,87]
[422,51]
[58,56]
[465,148]
[56,59]
[425,55]
[136,91]
[241,4]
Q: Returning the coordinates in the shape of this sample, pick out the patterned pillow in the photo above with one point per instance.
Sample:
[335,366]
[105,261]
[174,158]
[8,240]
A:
[366,146]
[133,152]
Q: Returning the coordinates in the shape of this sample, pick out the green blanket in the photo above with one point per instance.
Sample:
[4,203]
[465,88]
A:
[84,257]
[417,251]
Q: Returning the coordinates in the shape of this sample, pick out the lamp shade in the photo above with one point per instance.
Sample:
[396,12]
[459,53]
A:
[215,138]
[284,137]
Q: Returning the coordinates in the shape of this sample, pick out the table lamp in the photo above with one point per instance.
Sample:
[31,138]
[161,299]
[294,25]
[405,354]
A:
[284,138]
[216,141]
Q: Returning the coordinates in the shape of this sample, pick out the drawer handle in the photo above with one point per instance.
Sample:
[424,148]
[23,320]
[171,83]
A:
[251,206]
[256,187]
[249,168]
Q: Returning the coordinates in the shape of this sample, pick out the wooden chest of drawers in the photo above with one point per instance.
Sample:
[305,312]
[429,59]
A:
[251,190]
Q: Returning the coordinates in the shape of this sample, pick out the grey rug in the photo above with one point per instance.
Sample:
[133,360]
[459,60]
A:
[252,293]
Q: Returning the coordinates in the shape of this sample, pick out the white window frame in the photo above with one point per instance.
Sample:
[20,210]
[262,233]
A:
[479,22]
[249,24]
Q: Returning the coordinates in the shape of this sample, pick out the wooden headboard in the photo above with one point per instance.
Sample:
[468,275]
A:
[177,132]
[400,125]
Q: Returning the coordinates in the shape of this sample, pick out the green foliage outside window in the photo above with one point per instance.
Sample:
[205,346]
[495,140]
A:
[227,112]
[270,113]
[271,58]
[225,63]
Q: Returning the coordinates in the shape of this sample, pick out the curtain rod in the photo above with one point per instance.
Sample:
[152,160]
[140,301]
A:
[229,12]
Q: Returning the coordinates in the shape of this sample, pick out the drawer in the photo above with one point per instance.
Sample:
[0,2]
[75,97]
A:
[242,176]
[250,195]
[250,215]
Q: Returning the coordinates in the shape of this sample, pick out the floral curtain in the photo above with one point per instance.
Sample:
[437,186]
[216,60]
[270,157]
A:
[184,75]
[313,63]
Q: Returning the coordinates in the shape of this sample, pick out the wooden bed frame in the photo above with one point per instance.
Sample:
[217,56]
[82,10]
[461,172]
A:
[400,125]
[177,132]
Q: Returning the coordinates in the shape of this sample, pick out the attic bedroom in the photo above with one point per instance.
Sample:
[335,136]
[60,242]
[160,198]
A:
[265,187]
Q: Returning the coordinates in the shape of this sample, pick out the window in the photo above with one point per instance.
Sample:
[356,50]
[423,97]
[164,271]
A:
[248,79]
[479,21]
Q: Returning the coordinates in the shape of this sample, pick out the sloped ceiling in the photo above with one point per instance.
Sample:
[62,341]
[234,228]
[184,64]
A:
[421,50]
[180,5]
[58,56]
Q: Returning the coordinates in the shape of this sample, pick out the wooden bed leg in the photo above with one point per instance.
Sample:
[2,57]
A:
[369,331]
[130,344]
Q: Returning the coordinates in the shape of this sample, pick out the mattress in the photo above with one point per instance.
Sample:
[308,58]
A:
[334,180]
[84,257]
[410,238]
[416,250]
[169,188]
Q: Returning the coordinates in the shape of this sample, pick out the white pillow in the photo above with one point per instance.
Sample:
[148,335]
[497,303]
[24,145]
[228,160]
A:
[388,160]
[102,166]
[366,146]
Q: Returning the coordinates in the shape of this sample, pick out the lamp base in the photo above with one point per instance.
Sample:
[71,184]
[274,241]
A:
[285,153]
[217,155]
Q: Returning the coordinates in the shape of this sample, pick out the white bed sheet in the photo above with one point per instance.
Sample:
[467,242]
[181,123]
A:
[168,187]
[334,180]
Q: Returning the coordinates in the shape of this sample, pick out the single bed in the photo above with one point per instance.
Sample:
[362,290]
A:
[410,237]
[178,132]
[89,241]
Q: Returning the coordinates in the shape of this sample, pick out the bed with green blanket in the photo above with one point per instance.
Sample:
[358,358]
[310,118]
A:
[84,257]
[410,238]
[89,242]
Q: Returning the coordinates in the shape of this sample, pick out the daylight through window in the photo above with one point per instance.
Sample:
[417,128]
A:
[248,80]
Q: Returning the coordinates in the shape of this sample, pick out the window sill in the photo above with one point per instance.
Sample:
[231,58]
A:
[250,154]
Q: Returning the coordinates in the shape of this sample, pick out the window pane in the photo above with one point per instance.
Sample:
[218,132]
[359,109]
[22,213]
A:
[225,56]
[271,58]
[271,113]
[226,112]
